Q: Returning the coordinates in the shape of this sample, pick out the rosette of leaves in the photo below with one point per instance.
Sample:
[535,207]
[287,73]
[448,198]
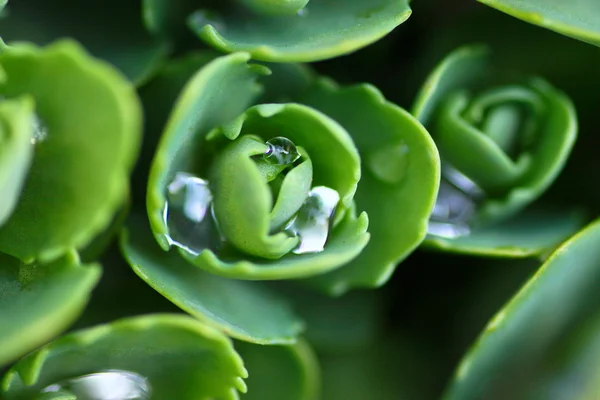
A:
[502,141]
[374,157]
[280,30]
[158,356]
[70,129]
[545,340]
[127,44]
[579,19]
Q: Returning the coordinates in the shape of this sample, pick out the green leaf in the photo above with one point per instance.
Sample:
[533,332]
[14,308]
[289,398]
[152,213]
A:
[276,7]
[79,176]
[576,18]
[397,189]
[546,337]
[16,151]
[180,357]
[217,93]
[323,30]
[244,310]
[37,302]
[511,137]
[280,372]
[335,164]
[217,96]
[117,37]
[530,233]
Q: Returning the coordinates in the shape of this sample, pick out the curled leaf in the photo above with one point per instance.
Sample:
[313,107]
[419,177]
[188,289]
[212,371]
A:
[323,29]
[501,143]
[79,176]
[165,356]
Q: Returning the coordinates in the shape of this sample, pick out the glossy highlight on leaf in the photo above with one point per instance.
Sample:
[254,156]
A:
[38,302]
[179,356]
[79,174]
[322,30]
[578,19]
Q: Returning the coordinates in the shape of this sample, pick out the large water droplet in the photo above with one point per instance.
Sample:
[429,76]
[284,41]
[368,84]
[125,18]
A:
[199,19]
[281,151]
[455,206]
[106,385]
[40,130]
[312,222]
[189,214]
[389,163]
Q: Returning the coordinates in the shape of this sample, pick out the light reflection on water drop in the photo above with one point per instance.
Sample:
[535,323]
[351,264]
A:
[281,151]
[312,222]
[106,385]
[40,130]
[455,206]
[189,214]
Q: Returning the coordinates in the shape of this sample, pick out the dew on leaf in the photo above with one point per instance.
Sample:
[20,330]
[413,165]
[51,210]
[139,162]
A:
[455,206]
[281,151]
[40,130]
[312,223]
[105,385]
[189,214]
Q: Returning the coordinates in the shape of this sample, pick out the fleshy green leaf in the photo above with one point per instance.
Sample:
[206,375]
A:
[546,337]
[398,184]
[115,36]
[530,233]
[16,151]
[244,310]
[322,30]
[217,94]
[79,176]
[335,164]
[575,18]
[38,302]
[512,139]
[280,372]
[276,7]
[180,357]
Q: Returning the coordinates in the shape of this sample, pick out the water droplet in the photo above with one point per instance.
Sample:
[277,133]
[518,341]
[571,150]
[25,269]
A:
[281,151]
[106,385]
[455,206]
[312,222]
[189,214]
[303,12]
[40,130]
[199,19]
[389,163]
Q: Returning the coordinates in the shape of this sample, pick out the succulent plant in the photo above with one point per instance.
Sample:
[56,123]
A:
[188,209]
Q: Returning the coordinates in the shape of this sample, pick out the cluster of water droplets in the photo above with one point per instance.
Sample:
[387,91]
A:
[40,130]
[190,217]
[455,206]
[105,385]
